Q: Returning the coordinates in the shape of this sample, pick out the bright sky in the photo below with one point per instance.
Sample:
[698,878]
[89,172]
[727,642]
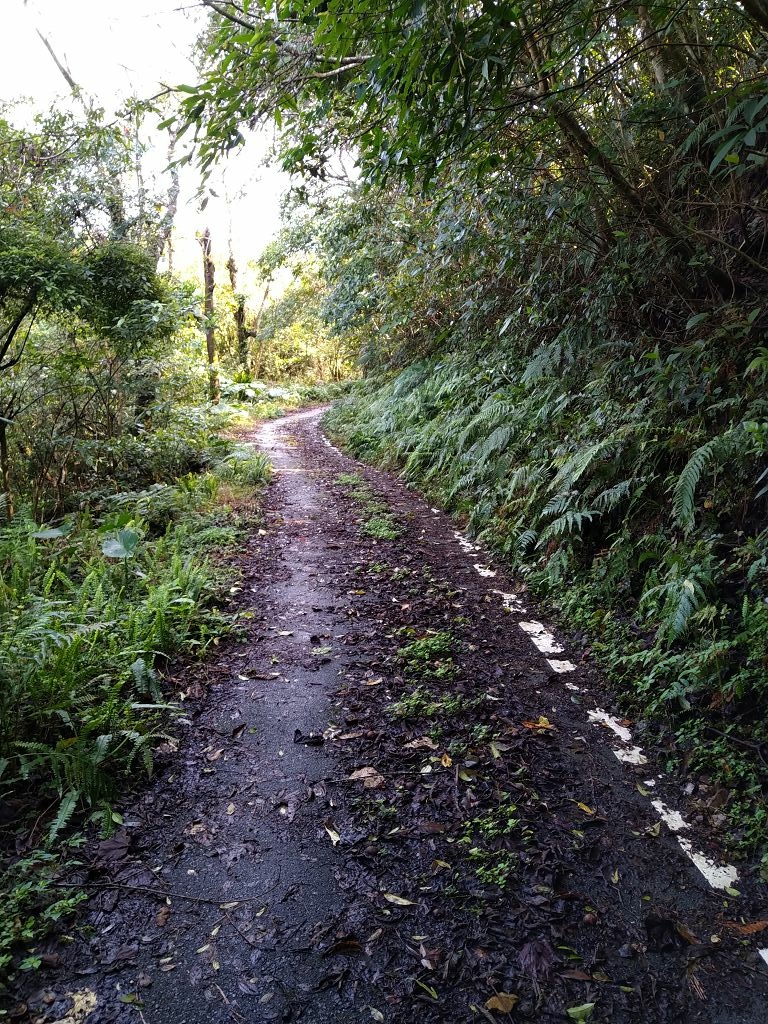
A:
[118,48]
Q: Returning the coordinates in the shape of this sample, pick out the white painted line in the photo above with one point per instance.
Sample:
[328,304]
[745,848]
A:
[466,545]
[719,876]
[561,666]
[598,715]
[483,570]
[540,638]
[511,602]
[674,820]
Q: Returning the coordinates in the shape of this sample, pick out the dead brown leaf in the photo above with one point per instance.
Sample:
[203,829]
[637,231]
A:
[503,1002]
[746,929]
[421,743]
[370,778]
[542,723]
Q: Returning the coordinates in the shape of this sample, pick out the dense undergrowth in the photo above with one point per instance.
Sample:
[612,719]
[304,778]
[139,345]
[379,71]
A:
[90,611]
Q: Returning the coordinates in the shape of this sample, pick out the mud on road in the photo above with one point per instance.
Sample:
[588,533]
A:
[396,803]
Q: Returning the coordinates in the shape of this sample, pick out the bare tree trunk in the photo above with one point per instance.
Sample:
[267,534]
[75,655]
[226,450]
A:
[165,227]
[240,329]
[6,508]
[209,273]
[254,333]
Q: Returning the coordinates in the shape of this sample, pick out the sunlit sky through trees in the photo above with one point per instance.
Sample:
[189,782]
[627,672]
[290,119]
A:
[115,49]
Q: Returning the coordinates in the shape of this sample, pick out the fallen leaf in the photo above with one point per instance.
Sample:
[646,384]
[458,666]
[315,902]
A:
[238,731]
[686,934]
[347,946]
[214,755]
[161,918]
[370,778]
[504,1002]
[581,1013]
[376,1014]
[399,900]
[585,808]
[333,835]
[421,743]
[746,929]
[83,1003]
[446,760]
[231,809]
[110,851]
[542,723]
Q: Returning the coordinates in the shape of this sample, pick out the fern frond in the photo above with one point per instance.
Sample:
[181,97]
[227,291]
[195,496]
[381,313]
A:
[685,488]
[612,496]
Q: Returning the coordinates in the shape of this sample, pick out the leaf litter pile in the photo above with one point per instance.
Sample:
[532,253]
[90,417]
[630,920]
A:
[389,808]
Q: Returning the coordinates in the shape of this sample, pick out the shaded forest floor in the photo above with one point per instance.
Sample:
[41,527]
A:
[394,802]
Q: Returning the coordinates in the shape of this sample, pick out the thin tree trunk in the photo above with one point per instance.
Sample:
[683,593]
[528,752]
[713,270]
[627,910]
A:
[165,227]
[578,135]
[239,317]
[209,276]
[6,509]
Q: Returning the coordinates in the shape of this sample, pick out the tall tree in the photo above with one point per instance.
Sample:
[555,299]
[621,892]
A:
[209,286]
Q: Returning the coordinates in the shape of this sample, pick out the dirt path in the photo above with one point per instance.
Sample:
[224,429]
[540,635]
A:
[507,853]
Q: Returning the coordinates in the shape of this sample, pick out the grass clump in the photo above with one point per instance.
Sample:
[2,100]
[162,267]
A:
[484,839]
[423,704]
[380,527]
[380,524]
[430,657]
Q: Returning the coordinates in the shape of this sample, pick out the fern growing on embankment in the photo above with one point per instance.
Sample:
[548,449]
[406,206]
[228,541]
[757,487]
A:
[636,512]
